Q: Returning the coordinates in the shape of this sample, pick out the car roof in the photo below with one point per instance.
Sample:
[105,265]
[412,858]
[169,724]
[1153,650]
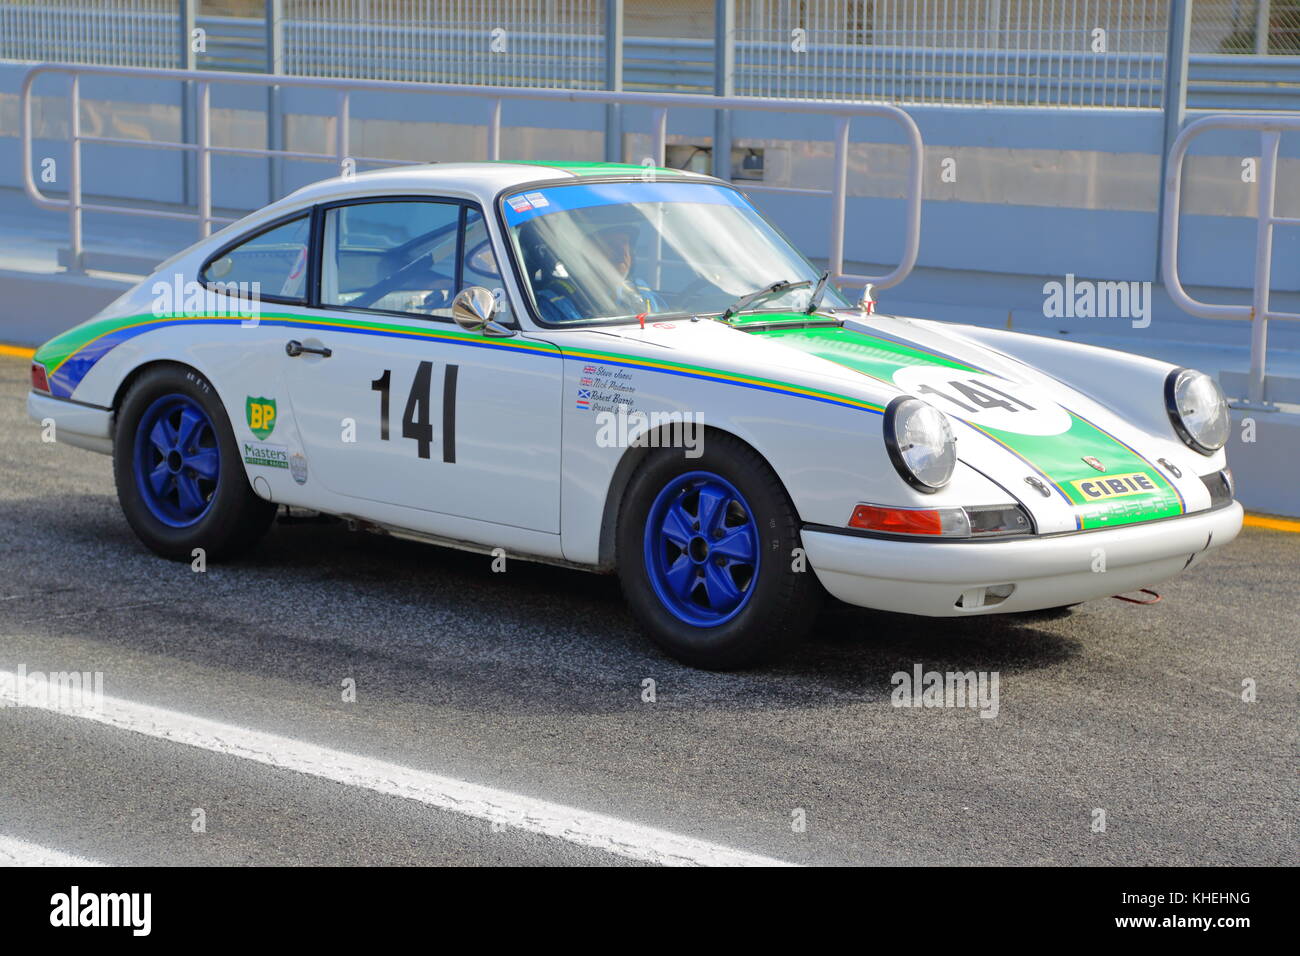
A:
[481,180]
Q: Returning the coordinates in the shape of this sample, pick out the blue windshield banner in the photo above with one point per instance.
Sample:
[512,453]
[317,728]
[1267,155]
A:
[532,203]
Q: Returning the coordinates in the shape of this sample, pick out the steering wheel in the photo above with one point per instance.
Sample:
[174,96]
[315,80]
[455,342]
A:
[699,284]
[416,268]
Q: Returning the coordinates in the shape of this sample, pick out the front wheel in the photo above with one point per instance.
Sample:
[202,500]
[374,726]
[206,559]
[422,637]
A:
[706,554]
[179,478]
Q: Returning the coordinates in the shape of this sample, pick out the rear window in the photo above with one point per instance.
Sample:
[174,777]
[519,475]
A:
[271,264]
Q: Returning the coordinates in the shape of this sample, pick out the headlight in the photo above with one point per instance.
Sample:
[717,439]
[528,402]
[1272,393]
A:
[1198,409]
[920,442]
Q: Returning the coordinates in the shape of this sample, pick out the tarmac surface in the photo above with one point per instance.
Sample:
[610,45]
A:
[531,682]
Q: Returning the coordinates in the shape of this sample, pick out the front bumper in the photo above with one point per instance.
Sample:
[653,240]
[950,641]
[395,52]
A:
[949,578]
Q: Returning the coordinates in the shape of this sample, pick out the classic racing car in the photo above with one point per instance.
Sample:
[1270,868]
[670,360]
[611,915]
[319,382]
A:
[633,371]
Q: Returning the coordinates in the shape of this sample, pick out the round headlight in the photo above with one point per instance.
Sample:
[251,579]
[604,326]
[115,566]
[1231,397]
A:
[1198,410]
[921,443]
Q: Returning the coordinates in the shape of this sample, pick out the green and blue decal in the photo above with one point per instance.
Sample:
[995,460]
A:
[70,356]
[1058,459]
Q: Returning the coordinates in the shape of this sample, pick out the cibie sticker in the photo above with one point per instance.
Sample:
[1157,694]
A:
[1116,486]
[985,400]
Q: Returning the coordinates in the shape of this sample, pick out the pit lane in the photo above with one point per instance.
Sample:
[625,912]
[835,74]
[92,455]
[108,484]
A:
[533,681]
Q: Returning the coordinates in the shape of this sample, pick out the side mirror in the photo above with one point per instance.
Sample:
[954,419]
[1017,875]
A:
[474,310]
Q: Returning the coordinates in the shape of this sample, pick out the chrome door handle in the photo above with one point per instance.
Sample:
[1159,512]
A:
[293,348]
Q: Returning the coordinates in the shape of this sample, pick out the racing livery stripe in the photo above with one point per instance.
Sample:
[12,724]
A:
[70,356]
[696,371]
[1058,459]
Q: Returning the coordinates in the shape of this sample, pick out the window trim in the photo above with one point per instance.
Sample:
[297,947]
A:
[316,264]
[308,214]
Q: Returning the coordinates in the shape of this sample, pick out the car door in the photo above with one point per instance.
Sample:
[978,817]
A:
[397,404]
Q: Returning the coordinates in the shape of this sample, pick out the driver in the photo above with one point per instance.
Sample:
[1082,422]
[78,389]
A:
[558,297]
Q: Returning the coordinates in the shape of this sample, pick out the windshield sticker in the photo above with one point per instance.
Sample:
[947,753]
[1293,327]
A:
[524,206]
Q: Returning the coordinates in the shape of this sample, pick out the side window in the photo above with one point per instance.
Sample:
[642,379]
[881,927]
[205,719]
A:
[393,256]
[272,264]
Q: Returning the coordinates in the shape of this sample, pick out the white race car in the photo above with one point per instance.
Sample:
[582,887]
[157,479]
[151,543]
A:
[629,370]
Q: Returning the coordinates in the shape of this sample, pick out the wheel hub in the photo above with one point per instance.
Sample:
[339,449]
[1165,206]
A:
[177,460]
[701,549]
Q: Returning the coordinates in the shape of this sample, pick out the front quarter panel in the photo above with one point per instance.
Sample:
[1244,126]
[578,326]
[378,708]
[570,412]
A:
[819,430]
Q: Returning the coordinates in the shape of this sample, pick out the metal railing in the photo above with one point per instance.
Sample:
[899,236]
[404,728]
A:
[659,103]
[1270,129]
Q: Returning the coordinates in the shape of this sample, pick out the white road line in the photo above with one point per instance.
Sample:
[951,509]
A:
[21,853]
[601,832]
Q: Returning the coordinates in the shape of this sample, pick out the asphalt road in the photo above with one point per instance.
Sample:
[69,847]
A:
[531,681]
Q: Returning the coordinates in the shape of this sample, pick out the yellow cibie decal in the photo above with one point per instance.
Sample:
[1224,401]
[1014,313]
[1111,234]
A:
[1114,486]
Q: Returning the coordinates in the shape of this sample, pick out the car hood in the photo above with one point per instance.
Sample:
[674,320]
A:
[1048,445]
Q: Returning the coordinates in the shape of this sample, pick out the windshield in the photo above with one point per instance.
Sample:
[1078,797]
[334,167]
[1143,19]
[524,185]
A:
[603,251]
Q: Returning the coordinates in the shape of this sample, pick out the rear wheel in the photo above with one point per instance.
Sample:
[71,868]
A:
[706,556]
[179,478]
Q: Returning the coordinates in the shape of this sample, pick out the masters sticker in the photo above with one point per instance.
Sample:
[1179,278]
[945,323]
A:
[1119,486]
[266,456]
[261,415]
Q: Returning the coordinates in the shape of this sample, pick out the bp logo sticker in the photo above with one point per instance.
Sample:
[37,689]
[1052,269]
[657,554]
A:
[261,416]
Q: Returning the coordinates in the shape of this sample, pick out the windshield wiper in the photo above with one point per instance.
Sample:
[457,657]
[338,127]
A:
[744,302]
[818,291]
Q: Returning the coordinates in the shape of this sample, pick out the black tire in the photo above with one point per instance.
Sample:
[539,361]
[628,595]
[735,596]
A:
[236,518]
[783,603]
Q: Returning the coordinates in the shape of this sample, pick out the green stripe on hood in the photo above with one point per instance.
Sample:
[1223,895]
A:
[1059,458]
